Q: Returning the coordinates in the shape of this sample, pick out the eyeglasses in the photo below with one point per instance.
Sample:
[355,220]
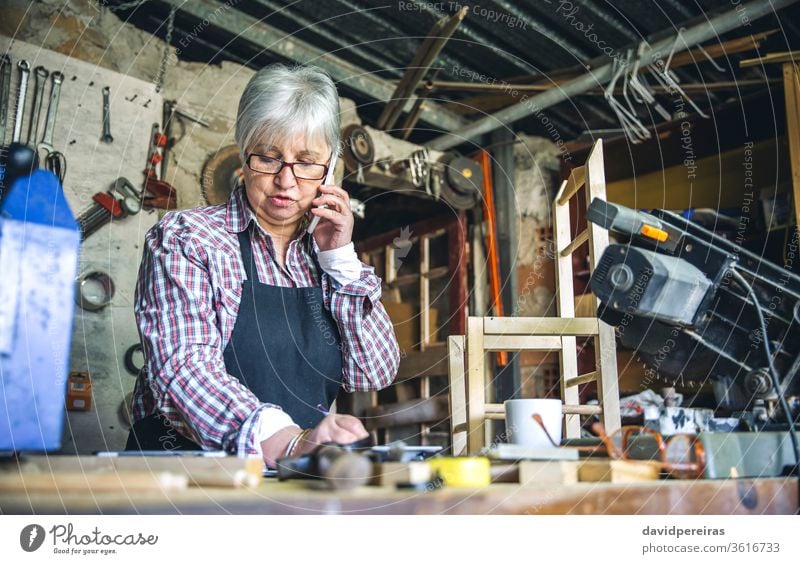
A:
[681,455]
[269,165]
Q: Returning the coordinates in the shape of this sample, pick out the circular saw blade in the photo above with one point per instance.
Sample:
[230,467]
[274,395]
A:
[221,174]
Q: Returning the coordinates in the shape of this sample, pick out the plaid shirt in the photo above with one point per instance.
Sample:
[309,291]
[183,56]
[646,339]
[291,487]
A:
[186,303]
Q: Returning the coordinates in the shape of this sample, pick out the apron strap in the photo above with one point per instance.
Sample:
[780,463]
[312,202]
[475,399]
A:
[246,251]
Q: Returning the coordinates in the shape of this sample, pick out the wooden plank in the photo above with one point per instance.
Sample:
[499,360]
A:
[566,324]
[458,394]
[424,292]
[576,180]
[662,497]
[432,227]
[548,472]
[582,379]
[425,316]
[99,464]
[88,484]
[582,237]
[438,272]
[721,48]
[476,382]
[494,409]
[584,306]
[605,344]
[791,89]
[411,412]
[617,471]
[565,303]
[497,410]
[577,409]
[784,57]
[430,362]
[392,473]
[405,280]
[498,343]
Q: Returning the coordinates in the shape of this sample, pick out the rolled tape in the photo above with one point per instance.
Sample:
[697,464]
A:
[466,471]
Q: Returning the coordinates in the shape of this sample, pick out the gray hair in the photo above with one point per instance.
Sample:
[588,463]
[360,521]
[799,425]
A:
[280,102]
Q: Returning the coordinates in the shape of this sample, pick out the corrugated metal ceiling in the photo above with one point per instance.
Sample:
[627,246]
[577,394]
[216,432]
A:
[511,41]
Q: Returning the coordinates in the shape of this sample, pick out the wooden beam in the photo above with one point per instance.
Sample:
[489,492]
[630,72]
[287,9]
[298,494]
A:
[576,180]
[476,384]
[582,379]
[575,409]
[565,302]
[783,57]
[264,37]
[605,350]
[411,412]
[791,88]
[556,326]
[582,237]
[516,343]
[458,394]
[430,362]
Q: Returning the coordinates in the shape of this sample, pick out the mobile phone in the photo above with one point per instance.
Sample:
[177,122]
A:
[328,181]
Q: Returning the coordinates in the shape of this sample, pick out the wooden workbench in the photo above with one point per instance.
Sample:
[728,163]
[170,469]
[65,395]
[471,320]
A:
[718,497]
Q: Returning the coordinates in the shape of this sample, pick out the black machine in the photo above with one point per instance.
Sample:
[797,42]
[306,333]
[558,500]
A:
[697,306]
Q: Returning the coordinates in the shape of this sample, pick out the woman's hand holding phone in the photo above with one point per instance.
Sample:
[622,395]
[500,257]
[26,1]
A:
[332,221]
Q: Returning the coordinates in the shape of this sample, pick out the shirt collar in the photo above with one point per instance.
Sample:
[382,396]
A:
[239,215]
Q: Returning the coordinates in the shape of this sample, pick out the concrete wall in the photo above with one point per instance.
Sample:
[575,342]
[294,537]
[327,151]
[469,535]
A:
[81,30]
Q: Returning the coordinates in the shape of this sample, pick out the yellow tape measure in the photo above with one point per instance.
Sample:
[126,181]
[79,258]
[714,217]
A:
[462,471]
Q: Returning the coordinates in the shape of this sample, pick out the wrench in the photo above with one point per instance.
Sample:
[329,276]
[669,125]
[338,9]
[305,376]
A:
[5,87]
[41,74]
[106,138]
[24,70]
[52,109]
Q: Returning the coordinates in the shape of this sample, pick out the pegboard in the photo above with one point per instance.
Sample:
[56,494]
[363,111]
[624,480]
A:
[99,338]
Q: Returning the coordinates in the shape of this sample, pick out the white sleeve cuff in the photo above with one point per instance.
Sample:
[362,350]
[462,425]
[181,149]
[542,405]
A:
[270,421]
[341,264]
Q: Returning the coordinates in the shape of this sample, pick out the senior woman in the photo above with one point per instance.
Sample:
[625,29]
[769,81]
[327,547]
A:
[250,325]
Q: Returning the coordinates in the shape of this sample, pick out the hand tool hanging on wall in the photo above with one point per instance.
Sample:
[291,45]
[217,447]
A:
[157,140]
[55,161]
[46,143]
[170,112]
[106,138]
[158,195]
[24,71]
[120,201]
[5,91]
[40,74]
[94,290]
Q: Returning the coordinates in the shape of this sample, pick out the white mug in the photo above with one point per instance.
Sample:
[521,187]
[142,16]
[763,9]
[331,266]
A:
[522,429]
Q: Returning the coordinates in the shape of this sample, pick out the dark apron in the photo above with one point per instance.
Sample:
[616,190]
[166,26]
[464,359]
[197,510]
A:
[285,347]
